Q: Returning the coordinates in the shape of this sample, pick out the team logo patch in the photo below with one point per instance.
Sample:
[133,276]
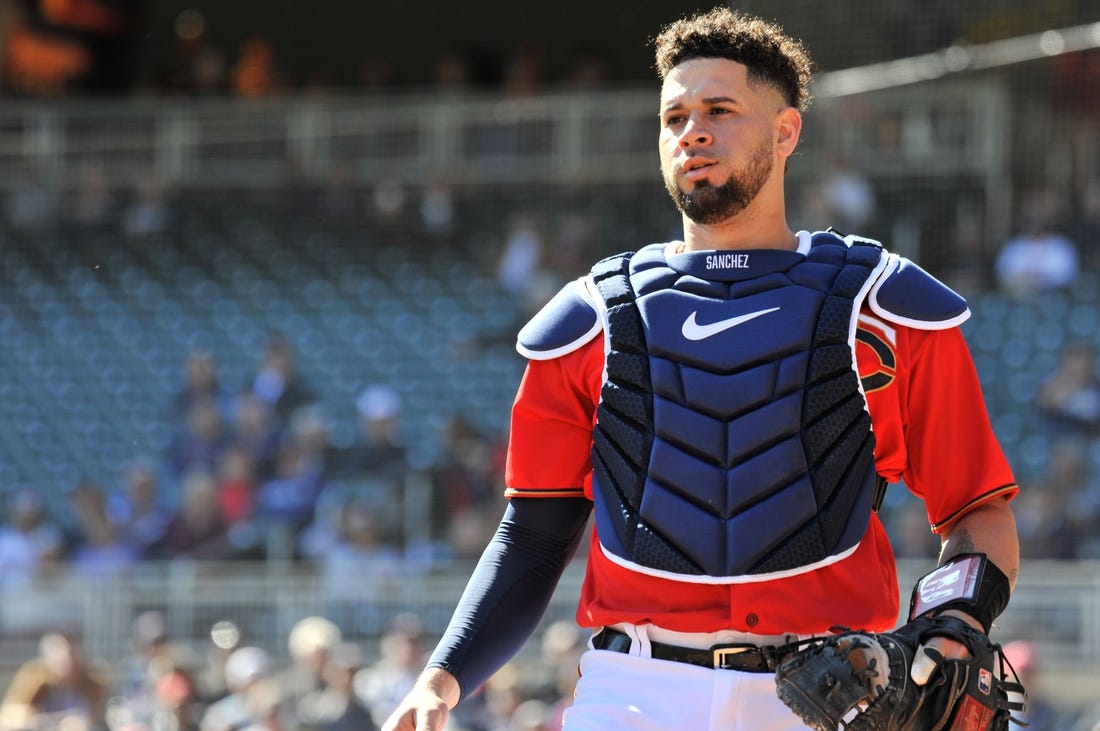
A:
[882,365]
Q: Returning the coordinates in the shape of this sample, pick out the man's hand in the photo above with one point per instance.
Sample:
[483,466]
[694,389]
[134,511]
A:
[428,705]
[938,649]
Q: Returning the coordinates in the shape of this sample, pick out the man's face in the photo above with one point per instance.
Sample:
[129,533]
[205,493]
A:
[717,142]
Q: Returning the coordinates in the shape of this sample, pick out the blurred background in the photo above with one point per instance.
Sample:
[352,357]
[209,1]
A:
[261,269]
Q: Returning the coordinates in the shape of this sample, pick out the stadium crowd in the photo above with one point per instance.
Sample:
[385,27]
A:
[323,681]
[248,474]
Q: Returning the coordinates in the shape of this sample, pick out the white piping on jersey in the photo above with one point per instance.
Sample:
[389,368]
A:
[739,579]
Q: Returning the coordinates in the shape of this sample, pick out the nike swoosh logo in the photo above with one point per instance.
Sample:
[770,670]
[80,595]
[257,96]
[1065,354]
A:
[694,331]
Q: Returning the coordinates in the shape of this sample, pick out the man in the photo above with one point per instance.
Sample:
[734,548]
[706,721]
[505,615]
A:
[701,399]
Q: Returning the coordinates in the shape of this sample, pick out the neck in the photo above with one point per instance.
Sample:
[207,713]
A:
[743,231]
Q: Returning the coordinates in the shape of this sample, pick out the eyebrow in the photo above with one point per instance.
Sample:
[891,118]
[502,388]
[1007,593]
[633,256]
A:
[709,100]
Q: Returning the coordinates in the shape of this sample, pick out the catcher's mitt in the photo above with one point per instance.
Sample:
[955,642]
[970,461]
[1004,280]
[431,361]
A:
[860,680]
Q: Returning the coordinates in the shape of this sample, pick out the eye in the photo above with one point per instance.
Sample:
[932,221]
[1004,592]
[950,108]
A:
[674,119]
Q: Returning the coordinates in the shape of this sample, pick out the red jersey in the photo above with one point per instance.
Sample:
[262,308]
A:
[931,430]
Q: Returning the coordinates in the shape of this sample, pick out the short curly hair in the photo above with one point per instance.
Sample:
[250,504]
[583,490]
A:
[770,55]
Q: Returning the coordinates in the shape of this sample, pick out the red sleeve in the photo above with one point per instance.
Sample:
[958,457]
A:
[549,453]
[931,425]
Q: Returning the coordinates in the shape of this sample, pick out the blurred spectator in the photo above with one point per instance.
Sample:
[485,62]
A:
[253,698]
[521,256]
[560,650]
[98,549]
[468,480]
[451,72]
[386,681]
[30,542]
[505,694]
[1070,475]
[355,564]
[844,197]
[210,675]
[438,215]
[380,451]
[849,198]
[1040,714]
[333,705]
[277,382]
[285,503]
[36,61]
[532,714]
[574,244]
[257,432]
[310,431]
[199,445]
[589,71]
[236,486]
[60,688]
[1069,397]
[139,511]
[200,383]
[1038,258]
[525,72]
[310,641]
[177,704]
[386,215]
[1047,517]
[195,65]
[153,685]
[196,530]
[257,71]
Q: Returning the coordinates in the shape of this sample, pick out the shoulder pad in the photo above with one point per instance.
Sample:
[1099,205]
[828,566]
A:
[908,295]
[565,323]
[851,240]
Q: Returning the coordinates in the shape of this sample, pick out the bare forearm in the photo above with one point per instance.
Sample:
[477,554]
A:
[988,529]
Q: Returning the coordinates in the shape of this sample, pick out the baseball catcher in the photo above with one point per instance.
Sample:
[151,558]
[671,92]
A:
[897,681]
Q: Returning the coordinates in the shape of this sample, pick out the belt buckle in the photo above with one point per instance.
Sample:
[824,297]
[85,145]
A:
[720,653]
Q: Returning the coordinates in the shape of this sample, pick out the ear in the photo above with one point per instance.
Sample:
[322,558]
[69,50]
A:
[788,130]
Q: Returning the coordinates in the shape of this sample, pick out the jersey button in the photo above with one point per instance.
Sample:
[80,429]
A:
[752,620]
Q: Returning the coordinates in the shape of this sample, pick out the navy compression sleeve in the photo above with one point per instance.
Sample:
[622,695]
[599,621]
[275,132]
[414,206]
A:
[511,587]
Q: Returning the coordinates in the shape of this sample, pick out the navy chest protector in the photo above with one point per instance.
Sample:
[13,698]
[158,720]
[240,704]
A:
[732,439]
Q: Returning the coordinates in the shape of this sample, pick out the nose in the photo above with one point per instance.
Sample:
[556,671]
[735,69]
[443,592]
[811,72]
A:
[694,135]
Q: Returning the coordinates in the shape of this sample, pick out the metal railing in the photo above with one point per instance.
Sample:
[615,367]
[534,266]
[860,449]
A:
[1056,604]
[608,136]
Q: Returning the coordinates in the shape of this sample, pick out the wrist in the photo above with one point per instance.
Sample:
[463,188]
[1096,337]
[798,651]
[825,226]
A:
[440,682]
[959,614]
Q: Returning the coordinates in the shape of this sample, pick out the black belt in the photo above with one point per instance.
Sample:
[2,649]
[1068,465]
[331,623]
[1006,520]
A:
[743,657]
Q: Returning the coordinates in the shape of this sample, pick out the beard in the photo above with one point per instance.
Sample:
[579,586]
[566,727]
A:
[708,204]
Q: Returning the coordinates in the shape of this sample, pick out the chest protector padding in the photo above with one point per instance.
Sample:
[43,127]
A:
[732,439]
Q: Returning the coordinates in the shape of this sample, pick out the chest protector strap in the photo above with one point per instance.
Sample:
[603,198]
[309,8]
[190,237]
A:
[732,440]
